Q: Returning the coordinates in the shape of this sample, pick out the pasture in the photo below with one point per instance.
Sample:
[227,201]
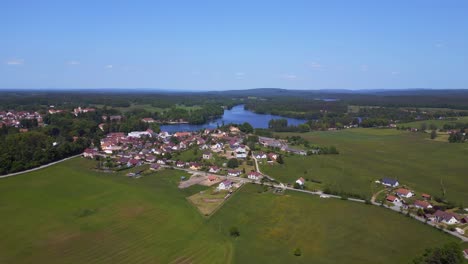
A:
[367,155]
[69,213]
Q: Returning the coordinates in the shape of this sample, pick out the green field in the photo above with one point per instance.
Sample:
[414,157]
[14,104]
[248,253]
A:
[367,155]
[438,123]
[147,107]
[68,213]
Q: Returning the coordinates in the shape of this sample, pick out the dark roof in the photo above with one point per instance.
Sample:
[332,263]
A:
[389,181]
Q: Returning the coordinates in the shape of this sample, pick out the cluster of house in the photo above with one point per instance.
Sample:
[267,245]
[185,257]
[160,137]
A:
[439,216]
[136,147]
[13,118]
[280,144]
[80,110]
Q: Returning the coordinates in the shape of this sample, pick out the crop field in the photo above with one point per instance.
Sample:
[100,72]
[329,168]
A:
[69,213]
[367,155]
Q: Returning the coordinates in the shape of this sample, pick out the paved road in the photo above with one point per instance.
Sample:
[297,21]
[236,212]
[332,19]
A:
[38,168]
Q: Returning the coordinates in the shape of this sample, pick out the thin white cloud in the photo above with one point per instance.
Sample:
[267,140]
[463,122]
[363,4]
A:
[315,65]
[73,62]
[240,75]
[289,77]
[395,73]
[364,67]
[109,66]
[15,62]
[439,44]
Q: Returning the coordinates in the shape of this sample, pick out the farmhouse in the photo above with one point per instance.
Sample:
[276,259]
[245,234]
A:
[390,182]
[422,204]
[446,217]
[180,164]
[405,193]
[253,175]
[393,199]
[194,166]
[225,185]
[300,181]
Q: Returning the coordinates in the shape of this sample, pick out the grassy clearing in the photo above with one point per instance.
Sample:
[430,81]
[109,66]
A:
[370,154]
[68,213]
[207,201]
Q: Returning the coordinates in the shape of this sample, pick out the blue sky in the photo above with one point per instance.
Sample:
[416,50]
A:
[216,45]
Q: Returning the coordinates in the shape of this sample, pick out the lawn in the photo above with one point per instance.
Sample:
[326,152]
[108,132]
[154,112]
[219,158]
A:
[69,213]
[207,201]
[370,154]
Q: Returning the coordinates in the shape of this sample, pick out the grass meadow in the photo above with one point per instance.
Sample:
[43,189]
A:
[69,213]
[367,155]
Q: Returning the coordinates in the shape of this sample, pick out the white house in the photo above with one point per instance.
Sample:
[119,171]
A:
[207,155]
[139,134]
[234,173]
[225,185]
[241,152]
[253,175]
[214,169]
[446,217]
[260,155]
[405,193]
[300,181]
[390,182]
[393,199]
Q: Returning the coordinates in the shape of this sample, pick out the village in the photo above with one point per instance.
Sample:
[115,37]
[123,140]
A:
[222,160]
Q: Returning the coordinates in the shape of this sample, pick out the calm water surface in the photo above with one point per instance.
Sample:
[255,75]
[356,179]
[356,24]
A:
[236,115]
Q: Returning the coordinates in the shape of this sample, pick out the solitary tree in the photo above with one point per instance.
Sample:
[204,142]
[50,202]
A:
[433,134]
[297,252]
[234,231]
[233,163]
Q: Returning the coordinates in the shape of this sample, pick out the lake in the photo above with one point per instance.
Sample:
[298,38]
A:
[237,115]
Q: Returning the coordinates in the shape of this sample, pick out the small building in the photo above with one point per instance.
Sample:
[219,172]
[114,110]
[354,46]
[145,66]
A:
[390,182]
[254,175]
[422,204]
[446,217]
[234,173]
[180,164]
[207,155]
[212,178]
[195,166]
[213,169]
[300,181]
[90,153]
[393,199]
[155,167]
[426,196]
[260,155]
[405,193]
[225,185]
